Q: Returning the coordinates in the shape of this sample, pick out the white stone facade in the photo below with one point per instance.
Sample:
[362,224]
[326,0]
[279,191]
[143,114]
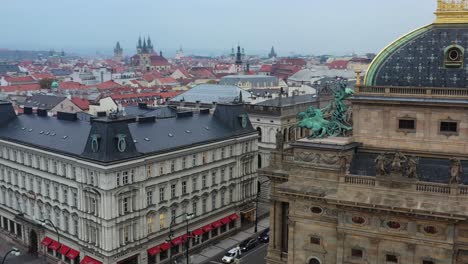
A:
[119,211]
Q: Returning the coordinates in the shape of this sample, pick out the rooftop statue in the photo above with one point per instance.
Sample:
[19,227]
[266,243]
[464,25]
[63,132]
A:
[330,121]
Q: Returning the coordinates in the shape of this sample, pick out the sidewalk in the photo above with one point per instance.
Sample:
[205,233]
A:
[6,243]
[228,243]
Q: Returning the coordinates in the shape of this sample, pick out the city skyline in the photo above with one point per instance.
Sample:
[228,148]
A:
[209,27]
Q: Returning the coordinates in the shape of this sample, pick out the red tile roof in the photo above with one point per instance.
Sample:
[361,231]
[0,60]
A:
[338,64]
[43,75]
[23,79]
[265,68]
[143,95]
[167,80]
[83,104]
[108,85]
[72,86]
[20,88]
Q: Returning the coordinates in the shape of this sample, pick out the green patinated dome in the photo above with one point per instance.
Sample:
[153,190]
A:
[54,85]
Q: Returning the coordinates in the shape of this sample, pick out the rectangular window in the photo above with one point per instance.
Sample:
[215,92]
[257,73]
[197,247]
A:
[204,181]
[149,223]
[162,220]
[132,175]
[149,171]
[194,208]
[194,160]
[126,234]
[223,175]
[315,240]
[213,155]
[356,253]
[222,153]
[161,194]
[184,162]
[56,192]
[126,205]
[173,191]
[118,179]
[204,206]
[231,173]
[172,165]
[231,195]
[392,258]
[222,199]
[231,151]
[75,226]
[184,187]
[448,127]
[125,177]
[173,216]
[213,178]
[246,147]
[75,199]
[407,124]
[65,195]
[149,198]
[161,169]
[213,202]
[194,183]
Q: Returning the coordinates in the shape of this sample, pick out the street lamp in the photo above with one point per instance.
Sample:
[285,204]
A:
[188,217]
[14,251]
[256,204]
[44,223]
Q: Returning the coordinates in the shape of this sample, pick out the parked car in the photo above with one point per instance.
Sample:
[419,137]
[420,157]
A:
[231,255]
[264,236]
[248,244]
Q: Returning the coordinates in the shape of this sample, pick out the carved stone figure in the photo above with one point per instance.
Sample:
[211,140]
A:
[397,163]
[380,162]
[456,170]
[279,140]
[412,171]
[345,164]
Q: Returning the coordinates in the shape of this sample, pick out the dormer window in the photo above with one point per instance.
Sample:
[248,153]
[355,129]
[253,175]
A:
[121,142]
[454,57]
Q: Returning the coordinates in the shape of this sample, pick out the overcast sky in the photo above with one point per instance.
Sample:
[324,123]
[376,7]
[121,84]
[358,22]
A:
[211,26]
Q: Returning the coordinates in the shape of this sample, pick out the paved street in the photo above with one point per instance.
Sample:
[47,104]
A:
[24,258]
[254,256]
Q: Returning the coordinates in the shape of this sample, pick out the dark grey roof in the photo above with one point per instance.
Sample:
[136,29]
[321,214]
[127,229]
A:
[4,68]
[142,138]
[158,112]
[44,101]
[209,93]
[61,72]
[289,101]
[417,59]
[429,169]
[253,80]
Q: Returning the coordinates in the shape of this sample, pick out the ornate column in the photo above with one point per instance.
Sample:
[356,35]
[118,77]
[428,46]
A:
[340,243]
[291,247]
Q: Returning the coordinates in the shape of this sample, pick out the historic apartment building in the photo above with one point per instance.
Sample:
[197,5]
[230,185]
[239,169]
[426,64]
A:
[395,191]
[115,186]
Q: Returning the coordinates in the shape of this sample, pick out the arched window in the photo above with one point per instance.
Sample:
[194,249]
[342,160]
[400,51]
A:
[259,131]
[314,261]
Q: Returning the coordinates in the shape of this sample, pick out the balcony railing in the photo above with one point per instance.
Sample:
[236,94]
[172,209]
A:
[426,92]
[423,187]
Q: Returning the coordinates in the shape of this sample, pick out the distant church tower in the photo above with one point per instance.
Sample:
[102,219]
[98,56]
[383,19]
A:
[272,54]
[118,52]
[239,56]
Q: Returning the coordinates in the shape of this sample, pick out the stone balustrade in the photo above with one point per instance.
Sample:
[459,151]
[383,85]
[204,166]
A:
[425,92]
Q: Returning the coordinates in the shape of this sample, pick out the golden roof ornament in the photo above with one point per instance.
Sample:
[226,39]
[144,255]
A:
[451,12]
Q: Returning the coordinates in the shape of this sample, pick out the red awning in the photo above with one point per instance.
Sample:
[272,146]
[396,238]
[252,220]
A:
[176,241]
[165,246]
[217,224]
[64,250]
[207,228]
[55,245]
[184,238]
[46,241]
[233,216]
[198,232]
[90,260]
[72,254]
[226,220]
[154,250]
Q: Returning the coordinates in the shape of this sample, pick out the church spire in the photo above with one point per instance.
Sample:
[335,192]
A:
[150,45]
[272,53]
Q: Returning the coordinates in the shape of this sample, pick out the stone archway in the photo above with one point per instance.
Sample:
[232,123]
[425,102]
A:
[313,261]
[32,242]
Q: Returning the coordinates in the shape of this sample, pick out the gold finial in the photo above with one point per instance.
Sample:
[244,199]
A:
[452,11]
[358,77]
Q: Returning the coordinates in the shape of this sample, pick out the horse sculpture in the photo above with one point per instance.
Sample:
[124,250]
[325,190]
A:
[337,125]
